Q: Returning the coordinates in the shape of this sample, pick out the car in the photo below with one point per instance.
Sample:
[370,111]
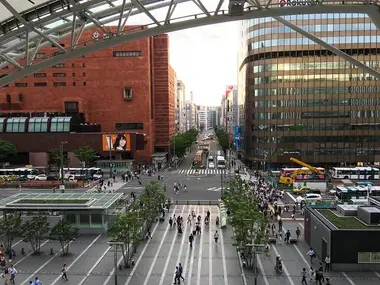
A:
[309,198]
[211,165]
[40,177]
[301,190]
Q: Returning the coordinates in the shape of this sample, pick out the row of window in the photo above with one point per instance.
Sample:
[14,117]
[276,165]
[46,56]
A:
[313,28]
[316,152]
[313,66]
[34,125]
[315,115]
[305,17]
[318,102]
[313,77]
[315,127]
[44,84]
[306,41]
[63,65]
[317,139]
[316,90]
[56,74]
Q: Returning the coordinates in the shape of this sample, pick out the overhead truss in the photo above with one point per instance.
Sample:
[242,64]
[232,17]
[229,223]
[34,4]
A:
[25,33]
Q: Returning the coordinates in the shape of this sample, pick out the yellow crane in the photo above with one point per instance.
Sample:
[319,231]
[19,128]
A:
[290,179]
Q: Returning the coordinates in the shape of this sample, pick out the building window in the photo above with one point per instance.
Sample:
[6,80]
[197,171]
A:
[21,84]
[40,84]
[126,53]
[59,83]
[40,55]
[128,94]
[83,65]
[60,74]
[59,65]
[16,125]
[60,124]
[73,65]
[129,126]
[38,125]
[74,84]
[39,74]
[73,74]
[84,73]
[84,83]
[71,107]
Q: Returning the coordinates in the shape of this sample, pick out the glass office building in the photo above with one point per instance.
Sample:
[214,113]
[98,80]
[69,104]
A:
[303,101]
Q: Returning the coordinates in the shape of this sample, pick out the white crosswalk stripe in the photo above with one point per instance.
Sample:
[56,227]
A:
[202,171]
[214,189]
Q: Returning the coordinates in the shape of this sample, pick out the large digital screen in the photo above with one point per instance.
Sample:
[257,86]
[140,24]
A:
[116,142]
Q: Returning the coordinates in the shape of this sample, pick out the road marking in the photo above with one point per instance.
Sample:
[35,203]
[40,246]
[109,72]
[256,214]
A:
[241,268]
[201,249]
[16,243]
[94,266]
[284,267]
[301,225]
[223,256]
[141,254]
[158,251]
[181,247]
[211,189]
[42,266]
[291,197]
[210,254]
[348,278]
[262,270]
[188,248]
[192,257]
[29,254]
[377,274]
[77,258]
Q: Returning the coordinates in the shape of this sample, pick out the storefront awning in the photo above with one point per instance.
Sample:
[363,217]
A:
[159,154]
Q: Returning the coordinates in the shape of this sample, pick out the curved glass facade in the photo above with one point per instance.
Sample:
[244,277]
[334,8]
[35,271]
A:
[303,101]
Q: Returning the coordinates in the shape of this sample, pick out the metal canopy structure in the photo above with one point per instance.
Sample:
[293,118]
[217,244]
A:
[25,27]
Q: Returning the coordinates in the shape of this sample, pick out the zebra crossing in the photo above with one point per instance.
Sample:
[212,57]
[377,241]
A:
[202,171]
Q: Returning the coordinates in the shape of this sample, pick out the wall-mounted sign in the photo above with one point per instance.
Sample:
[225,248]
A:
[116,142]
[292,3]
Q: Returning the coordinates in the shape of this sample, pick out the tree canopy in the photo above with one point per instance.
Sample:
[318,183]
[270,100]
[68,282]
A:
[55,158]
[10,225]
[64,233]
[248,221]
[223,139]
[86,155]
[7,149]
[34,231]
[181,142]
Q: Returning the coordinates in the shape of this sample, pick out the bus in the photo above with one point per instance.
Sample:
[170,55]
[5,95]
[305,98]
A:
[356,173]
[287,172]
[83,173]
[221,162]
[28,173]
[198,159]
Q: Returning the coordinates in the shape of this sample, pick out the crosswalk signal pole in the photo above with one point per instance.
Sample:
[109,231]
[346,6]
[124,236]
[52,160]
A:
[221,183]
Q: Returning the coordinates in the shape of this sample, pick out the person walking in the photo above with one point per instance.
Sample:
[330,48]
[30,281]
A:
[327,263]
[298,233]
[177,276]
[37,281]
[191,238]
[311,254]
[216,236]
[180,268]
[303,275]
[64,272]
[12,272]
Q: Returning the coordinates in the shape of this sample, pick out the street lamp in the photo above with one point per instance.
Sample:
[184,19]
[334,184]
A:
[62,173]
[115,245]
[109,140]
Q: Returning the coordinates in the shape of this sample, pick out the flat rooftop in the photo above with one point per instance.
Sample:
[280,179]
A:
[60,201]
[345,222]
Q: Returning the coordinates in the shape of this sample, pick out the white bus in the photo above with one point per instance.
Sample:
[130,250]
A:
[356,173]
[83,173]
[221,162]
[29,173]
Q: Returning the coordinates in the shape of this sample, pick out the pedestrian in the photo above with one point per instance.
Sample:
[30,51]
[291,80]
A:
[298,233]
[311,254]
[177,276]
[327,263]
[216,236]
[37,281]
[171,222]
[64,272]
[180,268]
[287,236]
[191,238]
[328,281]
[303,275]
[12,271]
[189,220]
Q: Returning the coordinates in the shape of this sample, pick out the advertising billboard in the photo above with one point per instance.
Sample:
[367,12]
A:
[116,142]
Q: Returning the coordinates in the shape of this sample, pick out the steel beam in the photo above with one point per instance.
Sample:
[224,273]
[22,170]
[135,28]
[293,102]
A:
[36,49]
[126,19]
[24,22]
[144,10]
[218,7]
[72,36]
[11,61]
[329,47]
[121,17]
[96,22]
[190,22]
[202,7]
[169,12]
[80,33]
[27,49]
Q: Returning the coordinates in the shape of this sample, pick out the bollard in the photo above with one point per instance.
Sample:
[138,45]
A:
[22,251]
[51,251]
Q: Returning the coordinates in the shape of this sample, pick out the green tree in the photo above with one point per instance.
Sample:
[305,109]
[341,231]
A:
[10,225]
[65,234]
[248,221]
[126,229]
[151,200]
[86,155]
[7,149]
[223,139]
[55,159]
[34,231]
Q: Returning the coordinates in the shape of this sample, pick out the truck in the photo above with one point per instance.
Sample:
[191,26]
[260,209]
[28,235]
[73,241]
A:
[198,159]
[220,162]
[308,169]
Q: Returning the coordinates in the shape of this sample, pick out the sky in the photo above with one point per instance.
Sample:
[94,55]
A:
[204,58]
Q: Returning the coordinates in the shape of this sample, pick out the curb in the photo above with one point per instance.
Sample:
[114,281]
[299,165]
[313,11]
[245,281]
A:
[292,220]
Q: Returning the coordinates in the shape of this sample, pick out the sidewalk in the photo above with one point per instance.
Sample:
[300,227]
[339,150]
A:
[114,188]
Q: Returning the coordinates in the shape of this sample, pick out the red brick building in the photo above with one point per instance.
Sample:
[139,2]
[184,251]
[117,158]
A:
[127,88]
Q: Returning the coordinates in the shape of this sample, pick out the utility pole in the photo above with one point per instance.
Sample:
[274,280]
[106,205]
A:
[61,162]
[109,139]
[115,245]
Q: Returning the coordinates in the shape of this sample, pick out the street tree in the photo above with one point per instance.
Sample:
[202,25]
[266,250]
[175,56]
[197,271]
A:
[10,225]
[178,145]
[151,201]
[246,218]
[86,155]
[55,159]
[64,232]
[126,229]
[7,149]
[34,231]
[223,139]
